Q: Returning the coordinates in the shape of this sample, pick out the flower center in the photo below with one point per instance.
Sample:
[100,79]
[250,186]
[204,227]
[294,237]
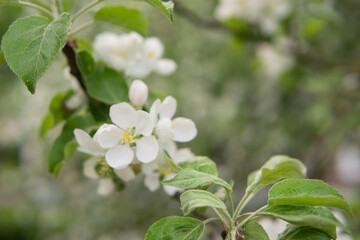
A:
[103,167]
[164,171]
[128,136]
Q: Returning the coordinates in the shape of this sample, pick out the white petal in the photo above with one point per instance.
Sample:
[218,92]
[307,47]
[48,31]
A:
[89,169]
[152,182]
[123,115]
[143,124]
[147,149]
[149,168]
[165,66]
[164,130]
[106,186]
[171,148]
[168,107]
[154,111]
[119,156]
[140,69]
[153,48]
[183,155]
[108,135]
[125,174]
[184,129]
[87,144]
[171,191]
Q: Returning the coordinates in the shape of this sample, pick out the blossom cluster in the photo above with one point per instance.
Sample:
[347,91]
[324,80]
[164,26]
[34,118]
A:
[133,54]
[137,137]
[265,13]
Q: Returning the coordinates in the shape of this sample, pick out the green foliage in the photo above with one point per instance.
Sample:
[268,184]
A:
[175,228]
[2,59]
[129,18]
[165,7]
[190,178]
[307,192]
[201,164]
[57,111]
[102,83]
[273,170]
[192,199]
[316,217]
[57,153]
[254,231]
[32,43]
[305,233]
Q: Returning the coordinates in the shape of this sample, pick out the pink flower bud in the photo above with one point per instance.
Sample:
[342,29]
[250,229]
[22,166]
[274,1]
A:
[138,93]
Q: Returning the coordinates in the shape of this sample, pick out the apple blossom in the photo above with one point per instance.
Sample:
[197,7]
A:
[131,132]
[138,93]
[133,54]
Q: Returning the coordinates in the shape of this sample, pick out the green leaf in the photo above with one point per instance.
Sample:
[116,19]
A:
[102,83]
[129,18]
[32,43]
[83,44]
[165,7]
[175,228]
[57,111]
[70,147]
[47,123]
[201,164]
[99,110]
[58,149]
[171,163]
[307,192]
[192,199]
[316,217]
[305,233]
[254,231]
[190,178]
[273,170]
[2,59]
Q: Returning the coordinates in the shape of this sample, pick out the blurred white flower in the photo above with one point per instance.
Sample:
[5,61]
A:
[155,170]
[273,227]
[131,132]
[266,13]
[276,58]
[138,93]
[133,54]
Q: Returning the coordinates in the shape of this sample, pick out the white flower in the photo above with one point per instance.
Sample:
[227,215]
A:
[138,93]
[266,13]
[87,144]
[276,58]
[131,132]
[130,53]
[167,129]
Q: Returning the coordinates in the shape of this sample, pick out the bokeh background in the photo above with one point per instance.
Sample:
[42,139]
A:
[252,94]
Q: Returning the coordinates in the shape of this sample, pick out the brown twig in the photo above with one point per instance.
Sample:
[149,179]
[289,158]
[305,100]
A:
[70,55]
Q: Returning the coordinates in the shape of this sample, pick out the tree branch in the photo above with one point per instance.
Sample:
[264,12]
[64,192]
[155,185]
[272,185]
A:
[74,69]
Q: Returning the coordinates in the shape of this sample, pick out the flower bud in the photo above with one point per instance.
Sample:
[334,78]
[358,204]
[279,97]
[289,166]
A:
[138,93]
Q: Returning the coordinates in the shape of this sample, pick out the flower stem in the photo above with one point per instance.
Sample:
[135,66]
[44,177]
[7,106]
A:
[223,220]
[82,27]
[230,201]
[248,195]
[28,4]
[210,220]
[243,222]
[87,7]
[59,6]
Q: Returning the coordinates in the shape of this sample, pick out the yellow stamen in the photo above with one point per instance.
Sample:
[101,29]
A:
[164,171]
[128,136]
[104,167]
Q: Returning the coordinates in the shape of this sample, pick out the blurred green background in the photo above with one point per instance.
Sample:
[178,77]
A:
[311,111]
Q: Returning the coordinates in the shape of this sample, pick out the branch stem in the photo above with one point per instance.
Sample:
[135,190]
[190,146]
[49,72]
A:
[243,222]
[30,5]
[87,7]
[248,195]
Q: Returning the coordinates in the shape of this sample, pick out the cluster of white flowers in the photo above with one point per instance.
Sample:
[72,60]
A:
[276,58]
[266,13]
[137,137]
[133,54]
